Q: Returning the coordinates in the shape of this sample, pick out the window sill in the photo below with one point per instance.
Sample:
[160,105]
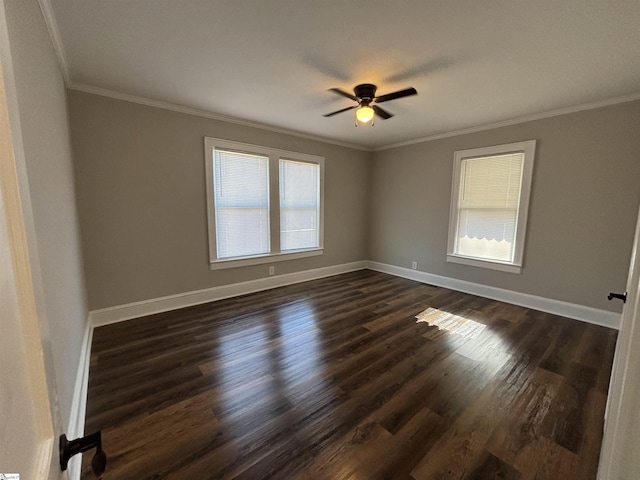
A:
[475,262]
[262,259]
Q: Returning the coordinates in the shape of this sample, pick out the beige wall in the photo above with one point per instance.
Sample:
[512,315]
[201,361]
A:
[141,200]
[38,115]
[584,202]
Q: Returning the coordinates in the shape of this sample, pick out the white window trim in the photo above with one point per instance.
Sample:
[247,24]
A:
[528,148]
[274,156]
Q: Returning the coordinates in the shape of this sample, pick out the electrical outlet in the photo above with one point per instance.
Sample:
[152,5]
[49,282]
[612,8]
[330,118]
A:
[272,270]
[414,265]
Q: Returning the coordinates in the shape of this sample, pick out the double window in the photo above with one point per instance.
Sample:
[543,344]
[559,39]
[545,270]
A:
[263,204]
[489,205]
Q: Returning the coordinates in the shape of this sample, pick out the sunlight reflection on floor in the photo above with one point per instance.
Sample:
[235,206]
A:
[481,344]
[452,323]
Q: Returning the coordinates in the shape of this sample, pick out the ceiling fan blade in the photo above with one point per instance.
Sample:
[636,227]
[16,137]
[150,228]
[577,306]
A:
[344,94]
[381,113]
[340,111]
[399,94]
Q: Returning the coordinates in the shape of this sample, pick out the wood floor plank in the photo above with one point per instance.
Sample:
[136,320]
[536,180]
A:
[521,424]
[460,450]
[337,379]
[492,468]
[167,433]
[546,460]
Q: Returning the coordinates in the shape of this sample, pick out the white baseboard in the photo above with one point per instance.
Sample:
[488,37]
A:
[120,313]
[557,307]
[75,429]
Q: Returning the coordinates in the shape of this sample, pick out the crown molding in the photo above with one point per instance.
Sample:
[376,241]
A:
[205,114]
[514,121]
[56,39]
[238,121]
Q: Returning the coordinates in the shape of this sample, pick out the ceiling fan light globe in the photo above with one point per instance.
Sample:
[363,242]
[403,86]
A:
[364,114]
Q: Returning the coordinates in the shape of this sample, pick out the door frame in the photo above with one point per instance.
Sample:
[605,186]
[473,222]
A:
[37,415]
[621,440]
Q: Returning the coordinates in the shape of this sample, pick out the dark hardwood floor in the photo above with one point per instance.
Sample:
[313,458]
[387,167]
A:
[335,379]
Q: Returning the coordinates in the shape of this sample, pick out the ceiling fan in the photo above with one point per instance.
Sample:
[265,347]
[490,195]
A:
[365,95]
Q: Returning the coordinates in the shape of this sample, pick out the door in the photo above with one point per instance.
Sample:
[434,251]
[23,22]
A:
[27,445]
[619,459]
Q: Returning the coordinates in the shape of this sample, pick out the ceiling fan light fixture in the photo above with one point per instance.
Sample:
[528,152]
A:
[366,105]
[364,114]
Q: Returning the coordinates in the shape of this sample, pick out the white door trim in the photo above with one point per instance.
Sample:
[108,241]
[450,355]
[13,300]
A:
[28,421]
[618,458]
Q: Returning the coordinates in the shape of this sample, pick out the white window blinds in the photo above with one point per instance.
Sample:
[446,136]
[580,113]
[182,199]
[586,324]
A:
[488,206]
[263,204]
[299,205]
[241,188]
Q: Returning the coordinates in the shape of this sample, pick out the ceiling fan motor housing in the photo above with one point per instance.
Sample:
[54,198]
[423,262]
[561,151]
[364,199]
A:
[366,92]
[365,96]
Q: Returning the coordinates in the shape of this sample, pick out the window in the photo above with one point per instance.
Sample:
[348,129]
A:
[263,204]
[299,205]
[489,204]
[241,190]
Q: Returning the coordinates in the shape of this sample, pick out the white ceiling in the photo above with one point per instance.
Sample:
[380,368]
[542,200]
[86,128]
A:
[270,62]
